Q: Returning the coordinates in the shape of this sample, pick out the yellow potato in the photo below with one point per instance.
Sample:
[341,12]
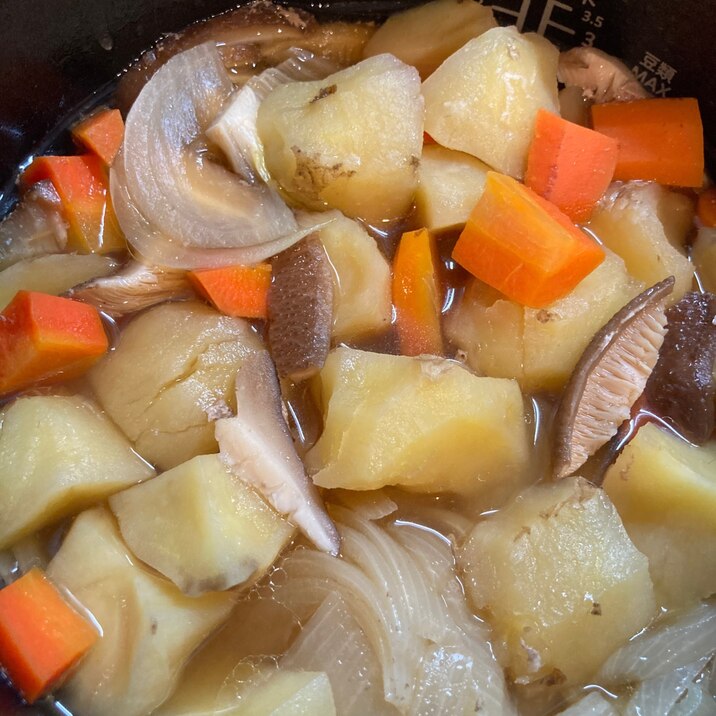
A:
[57,456]
[173,364]
[149,628]
[350,142]
[426,35]
[703,253]
[559,580]
[484,98]
[234,537]
[540,348]
[416,422]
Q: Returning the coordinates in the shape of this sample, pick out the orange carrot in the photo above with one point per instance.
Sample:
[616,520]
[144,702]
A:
[45,338]
[81,183]
[416,294]
[569,165]
[235,290]
[523,246]
[102,133]
[427,139]
[706,208]
[41,635]
[660,140]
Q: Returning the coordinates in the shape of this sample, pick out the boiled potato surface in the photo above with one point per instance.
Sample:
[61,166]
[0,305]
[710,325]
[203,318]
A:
[289,693]
[351,141]
[58,454]
[53,274]
[538,347]
[426,35]
[450,183]
[704,256]
[361,299]
[424,423]
[629,222]
[484,98]
[201,527]
[149,628]
[173,364]
[559,580]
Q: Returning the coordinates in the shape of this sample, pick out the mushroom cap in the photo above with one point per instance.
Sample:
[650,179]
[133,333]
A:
[609,377]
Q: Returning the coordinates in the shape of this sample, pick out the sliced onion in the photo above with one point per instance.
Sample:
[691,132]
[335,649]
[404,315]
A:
[593,704]
[234,130]
[176,207]
[399,585]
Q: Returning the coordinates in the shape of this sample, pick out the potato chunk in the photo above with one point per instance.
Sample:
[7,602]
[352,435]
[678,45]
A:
[450,185]
[361,298]
[234,537]
[149,628]
[351,141]
[53,274]
[172,364]
[58,455]
[484,98]
[289,693]
[704,256]
[559,580]
[538,347]
[629,222]
[426,35]
[415,422]
[665,491]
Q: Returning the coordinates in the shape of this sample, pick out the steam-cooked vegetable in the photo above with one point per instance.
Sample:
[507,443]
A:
[172,366]
[350,142]
[81,185]
[361,285]
[484,98]
[35,227]
[593,704]
[601,77]
[450,183]
[300,310]
[682,387]
[394,420]
[659,139]
[176,206]
[53,274]
[558,579]
[573,107]
[41,635]
[134,287]
[45,339]
[235,132]
[400,586]
[417,295]
[234,537]
[610,376]
[149,628]
[629,222]
[523,246]
[660,478]
[703,254]
[707,207]
[57,455]
[257,447]
[240,291]
[102,133]
[569,165]
[426,35]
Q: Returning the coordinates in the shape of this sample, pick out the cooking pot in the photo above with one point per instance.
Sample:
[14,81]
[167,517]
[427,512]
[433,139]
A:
[61,57]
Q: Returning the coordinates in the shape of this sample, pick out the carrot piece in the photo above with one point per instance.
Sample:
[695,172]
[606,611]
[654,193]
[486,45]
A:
[427,139]
[41,635]
[46,338]
[102,133]
[706,207]
[523,246]
[416,294]
[569,165]
[81,183]
[660,140]
[235,290]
